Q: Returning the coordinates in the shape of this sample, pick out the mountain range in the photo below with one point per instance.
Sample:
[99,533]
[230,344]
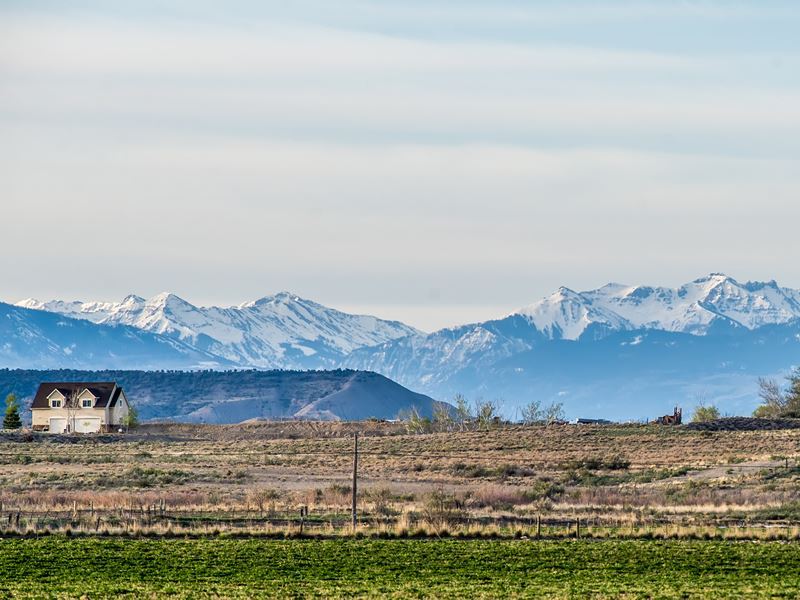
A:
[280,331]
[616,351]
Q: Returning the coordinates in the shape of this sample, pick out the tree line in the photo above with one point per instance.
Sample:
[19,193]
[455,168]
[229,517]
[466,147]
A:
[480,415]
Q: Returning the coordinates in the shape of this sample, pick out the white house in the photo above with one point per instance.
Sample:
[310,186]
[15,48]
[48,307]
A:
[80,407]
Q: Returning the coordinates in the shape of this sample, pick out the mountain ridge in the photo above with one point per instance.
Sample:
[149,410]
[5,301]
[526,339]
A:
[689,308]
[282,330]
[499,356]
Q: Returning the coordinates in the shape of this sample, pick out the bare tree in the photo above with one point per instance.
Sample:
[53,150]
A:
[442,418]
[261,498]
[486,413]
[554,413]
[463,415]
[777,402]
[532,412]
[71,406]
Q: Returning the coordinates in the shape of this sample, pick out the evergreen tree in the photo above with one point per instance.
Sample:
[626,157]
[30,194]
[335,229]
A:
[12,420]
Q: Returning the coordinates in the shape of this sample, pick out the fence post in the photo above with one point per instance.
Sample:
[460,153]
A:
[577,529]
[302,518]
[538,526]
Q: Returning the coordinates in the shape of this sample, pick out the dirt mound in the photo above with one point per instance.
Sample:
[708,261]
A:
[745,424]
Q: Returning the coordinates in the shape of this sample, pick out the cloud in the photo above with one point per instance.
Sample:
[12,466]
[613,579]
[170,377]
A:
[362,165]
[110,46]
[306,82]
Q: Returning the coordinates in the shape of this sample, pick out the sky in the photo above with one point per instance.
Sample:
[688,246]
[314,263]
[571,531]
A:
[432,161]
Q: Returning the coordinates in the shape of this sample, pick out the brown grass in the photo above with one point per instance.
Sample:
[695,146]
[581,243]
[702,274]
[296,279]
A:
[256,477]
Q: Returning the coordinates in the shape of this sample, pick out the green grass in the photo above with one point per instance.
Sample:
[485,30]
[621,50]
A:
[214,567]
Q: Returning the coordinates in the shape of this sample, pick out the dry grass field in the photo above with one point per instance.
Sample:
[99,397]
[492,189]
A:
[556,481]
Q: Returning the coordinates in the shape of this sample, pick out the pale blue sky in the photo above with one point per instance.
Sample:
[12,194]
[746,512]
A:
[435,162]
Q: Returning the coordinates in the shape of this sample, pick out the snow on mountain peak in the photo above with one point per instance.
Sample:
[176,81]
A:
[566,314]
[132,300]
[165,299]
[691,308]
[31,303]
[274,299]
[283,330]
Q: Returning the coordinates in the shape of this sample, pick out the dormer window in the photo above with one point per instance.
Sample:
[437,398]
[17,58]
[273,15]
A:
[55,403]
[87,403]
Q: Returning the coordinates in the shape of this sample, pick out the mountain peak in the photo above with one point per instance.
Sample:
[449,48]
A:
[132,300]
[565,293]
[29,303]
[715,278]
[165,299]
[279,298]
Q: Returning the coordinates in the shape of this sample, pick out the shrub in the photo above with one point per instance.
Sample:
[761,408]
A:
[703,413]
[544,490]
[442,508]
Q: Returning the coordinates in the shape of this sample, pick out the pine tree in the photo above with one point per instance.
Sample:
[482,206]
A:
[12,420]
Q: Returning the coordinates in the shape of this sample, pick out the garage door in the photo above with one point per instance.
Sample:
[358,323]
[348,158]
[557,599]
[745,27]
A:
[58,424]
[87,424]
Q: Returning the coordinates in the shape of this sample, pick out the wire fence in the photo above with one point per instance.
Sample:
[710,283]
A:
[324,521]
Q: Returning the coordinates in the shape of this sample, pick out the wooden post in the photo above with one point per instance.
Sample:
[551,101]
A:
[355,479]
[538,526]
[302,518]
[577,528]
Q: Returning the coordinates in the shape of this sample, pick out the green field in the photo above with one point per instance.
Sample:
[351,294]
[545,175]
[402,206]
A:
[102,567]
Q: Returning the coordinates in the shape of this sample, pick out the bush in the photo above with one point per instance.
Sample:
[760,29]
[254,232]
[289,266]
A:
[544,490]
[131,420]
[704,414]
[442,508]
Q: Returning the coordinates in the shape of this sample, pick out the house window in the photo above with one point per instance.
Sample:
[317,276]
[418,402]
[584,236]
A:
[86,403]
[55,403]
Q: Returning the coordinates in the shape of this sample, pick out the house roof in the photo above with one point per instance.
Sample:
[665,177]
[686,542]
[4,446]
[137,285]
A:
[106,392]
[115,397]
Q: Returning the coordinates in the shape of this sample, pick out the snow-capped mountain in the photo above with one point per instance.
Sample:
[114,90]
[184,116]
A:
[280,331]
[651,343]
[603,352]
[692,308]
[40,339]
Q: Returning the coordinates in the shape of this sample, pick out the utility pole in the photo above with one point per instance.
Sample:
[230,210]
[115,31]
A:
[355,478]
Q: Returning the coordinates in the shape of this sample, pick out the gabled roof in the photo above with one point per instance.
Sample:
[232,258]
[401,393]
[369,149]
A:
[106,392]
[115,397]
